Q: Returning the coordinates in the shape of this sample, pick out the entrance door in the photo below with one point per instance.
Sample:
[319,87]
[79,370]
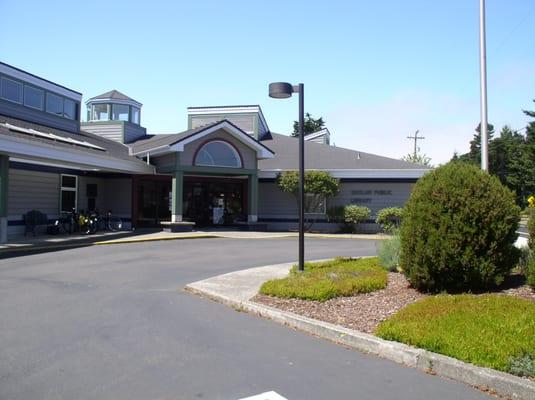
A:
[214,202]
[152,200]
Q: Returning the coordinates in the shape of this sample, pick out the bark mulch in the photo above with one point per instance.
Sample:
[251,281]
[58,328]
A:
[363,312]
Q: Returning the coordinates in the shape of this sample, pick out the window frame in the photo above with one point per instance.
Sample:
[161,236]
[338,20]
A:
[68,189]
[5,78]
[131,119]
[75,110]
[112,115]
[229,145]
[52,95]
[43,100]
[108,112]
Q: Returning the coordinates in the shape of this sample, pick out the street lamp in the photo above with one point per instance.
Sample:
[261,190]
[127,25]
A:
[283,90]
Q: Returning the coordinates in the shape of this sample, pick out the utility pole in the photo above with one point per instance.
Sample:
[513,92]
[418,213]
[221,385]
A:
[483,77]
[416,138]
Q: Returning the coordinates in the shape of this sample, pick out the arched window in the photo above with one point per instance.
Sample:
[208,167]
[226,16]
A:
[218,154]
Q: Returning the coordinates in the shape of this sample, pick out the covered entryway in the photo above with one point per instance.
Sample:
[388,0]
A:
[214,175]
[211,201]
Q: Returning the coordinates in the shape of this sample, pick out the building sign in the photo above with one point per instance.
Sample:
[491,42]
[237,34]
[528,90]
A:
[366,196]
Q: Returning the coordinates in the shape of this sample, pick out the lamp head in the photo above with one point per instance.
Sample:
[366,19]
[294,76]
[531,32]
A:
[280,90]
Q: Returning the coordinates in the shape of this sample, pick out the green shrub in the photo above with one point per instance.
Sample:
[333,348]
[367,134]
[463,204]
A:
[389,253]
[389,218]
[458,230]
[326,280]
[531,228]
[354,215]
[530,272]
[487,330]
[336,214]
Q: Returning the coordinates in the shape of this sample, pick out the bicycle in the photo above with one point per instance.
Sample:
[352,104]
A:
[111,223]
[67,223]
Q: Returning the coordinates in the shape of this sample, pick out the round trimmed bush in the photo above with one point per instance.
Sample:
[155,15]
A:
[389,218]
[458,230]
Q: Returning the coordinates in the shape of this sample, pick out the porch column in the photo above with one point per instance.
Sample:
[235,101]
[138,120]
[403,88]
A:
[252,212]
[4,183]
[178,193]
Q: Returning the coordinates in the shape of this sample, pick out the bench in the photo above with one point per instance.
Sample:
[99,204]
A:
[32,219]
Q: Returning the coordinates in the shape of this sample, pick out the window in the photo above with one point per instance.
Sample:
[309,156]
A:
[120,112]
[315,204]
[69,109]
[218,154]
[33,97]
[69,189]
[11,90]
[134,115]
[100,112]
[54,104]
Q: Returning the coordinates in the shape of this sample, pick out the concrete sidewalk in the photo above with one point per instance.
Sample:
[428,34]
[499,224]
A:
[235,289]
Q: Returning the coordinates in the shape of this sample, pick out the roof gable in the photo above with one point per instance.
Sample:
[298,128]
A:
[161,144]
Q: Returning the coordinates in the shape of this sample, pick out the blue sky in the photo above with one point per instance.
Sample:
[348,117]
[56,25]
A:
[376,71]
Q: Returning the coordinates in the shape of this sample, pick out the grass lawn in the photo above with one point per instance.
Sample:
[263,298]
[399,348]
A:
[494,331]
[326,280]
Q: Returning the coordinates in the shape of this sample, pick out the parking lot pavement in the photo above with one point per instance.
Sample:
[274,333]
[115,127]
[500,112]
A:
[113,322]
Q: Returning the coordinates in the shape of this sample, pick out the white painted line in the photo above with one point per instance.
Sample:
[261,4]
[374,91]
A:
[266,396]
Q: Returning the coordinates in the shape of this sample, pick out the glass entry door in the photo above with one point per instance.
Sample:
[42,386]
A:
[212,203]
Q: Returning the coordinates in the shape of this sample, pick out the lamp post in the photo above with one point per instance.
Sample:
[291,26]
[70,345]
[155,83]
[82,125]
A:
[284,90]
[483,127]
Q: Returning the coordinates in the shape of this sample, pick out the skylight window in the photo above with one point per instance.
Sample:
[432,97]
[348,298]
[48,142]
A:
[52,136]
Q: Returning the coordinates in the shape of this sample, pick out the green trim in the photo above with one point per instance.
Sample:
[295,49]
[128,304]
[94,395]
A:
[253,195]
[4,184]
[178,193]
[217,170]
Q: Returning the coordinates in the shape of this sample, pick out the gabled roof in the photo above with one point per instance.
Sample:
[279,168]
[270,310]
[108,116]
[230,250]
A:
[113,95]
[337,160]
[160,144]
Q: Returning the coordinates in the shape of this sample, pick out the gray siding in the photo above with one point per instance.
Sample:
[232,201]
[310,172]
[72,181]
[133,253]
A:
[248,154]
[274,203]
[100,202]
[118,196]
[30,190]
[165,163]
[111,130]
[245,122]
[374,195]
[133,132]
[39,117]
[112,194]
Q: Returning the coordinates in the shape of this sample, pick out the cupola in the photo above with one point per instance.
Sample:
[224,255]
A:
[115,116]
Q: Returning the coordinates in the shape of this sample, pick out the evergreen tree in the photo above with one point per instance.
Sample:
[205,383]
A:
[311,125]
[474,155]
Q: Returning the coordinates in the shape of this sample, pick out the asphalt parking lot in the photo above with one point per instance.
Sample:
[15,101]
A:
[112,322]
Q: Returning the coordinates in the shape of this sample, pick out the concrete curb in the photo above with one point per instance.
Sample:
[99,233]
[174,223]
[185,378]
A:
[156,239]
[485,379]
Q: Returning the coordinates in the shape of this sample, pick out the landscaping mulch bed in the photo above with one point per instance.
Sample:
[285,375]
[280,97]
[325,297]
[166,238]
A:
[363,312]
